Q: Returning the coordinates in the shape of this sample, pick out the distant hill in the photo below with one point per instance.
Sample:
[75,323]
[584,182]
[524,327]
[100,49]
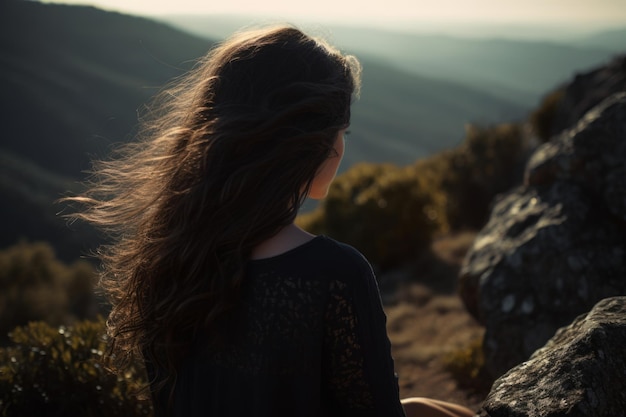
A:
[611,40]
[517,70]
[401,117]
[27,210]
[520,71]
[73,78]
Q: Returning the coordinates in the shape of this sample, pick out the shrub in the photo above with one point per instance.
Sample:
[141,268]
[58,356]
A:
[328,218]
[542,119]
[391,213]
[467,366]
[34,285]
[490,161]
[52,371]
[386,212]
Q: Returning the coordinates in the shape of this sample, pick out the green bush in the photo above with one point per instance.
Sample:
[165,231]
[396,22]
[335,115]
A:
[467,366]
[339,204]
[392,213]
[387,212]
[48,371]
[34,285]
[490,161]
[542,119]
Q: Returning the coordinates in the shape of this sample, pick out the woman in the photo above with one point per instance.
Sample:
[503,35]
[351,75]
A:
[234,309]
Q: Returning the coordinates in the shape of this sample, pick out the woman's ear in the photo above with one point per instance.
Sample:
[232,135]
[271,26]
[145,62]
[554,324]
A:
[328,170]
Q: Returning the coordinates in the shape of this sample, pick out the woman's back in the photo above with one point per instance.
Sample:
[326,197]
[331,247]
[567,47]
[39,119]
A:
[308,339]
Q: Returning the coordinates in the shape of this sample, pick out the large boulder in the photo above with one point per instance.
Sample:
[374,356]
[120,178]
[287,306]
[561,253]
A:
[556,245]
[579,372]
[586,91]
[592,153]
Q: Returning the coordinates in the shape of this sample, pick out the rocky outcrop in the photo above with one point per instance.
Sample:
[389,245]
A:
[587,91]
[580,372]
[556,245]
[592,154]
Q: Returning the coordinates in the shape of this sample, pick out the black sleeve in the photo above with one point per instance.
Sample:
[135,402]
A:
[358,367]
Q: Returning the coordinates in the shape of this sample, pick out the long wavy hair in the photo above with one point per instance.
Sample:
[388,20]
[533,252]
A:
[224,161]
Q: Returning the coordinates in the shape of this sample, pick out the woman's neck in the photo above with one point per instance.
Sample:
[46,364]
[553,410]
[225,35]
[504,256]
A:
[287,238]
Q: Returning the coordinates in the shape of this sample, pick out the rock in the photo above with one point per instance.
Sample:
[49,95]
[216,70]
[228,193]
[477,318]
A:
[580,372]
[592,153]
[554,246]
[587,91]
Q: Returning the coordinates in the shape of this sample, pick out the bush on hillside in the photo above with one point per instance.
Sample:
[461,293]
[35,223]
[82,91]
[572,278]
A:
[385,211]
[391,213]
[34,285]
[338,204]
[466,364]
[542,118]
[490,161]
[48,371]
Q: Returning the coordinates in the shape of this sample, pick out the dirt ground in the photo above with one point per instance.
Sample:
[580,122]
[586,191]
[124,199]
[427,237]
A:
[426,319]
[420,335]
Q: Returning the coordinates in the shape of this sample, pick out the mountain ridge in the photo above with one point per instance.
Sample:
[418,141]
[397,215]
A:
[524,68]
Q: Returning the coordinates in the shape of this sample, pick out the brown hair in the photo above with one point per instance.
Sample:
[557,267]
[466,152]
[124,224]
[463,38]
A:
[225,163]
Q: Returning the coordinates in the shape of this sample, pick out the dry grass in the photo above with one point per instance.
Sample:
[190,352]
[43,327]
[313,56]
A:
[428,321]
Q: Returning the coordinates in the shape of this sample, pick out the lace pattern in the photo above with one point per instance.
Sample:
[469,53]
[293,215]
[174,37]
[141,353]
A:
[345,364]
[278,330]
[287,322]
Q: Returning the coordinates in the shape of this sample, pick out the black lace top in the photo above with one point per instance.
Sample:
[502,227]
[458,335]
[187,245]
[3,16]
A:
[310,340]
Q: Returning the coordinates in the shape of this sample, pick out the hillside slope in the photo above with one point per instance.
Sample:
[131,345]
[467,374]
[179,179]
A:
[73,78]
[517,70]
[402,117]
[611,40]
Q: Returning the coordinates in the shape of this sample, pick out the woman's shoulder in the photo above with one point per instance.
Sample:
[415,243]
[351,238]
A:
[320,254]
[342,251]
[341,260]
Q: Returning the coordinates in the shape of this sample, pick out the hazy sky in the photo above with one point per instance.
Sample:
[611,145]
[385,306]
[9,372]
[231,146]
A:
[564,12]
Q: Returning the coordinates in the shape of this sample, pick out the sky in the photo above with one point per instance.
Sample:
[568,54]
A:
[596,13]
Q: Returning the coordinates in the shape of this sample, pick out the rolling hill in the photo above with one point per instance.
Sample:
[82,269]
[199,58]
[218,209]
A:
[516,70]
[613,40]
[73,78]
